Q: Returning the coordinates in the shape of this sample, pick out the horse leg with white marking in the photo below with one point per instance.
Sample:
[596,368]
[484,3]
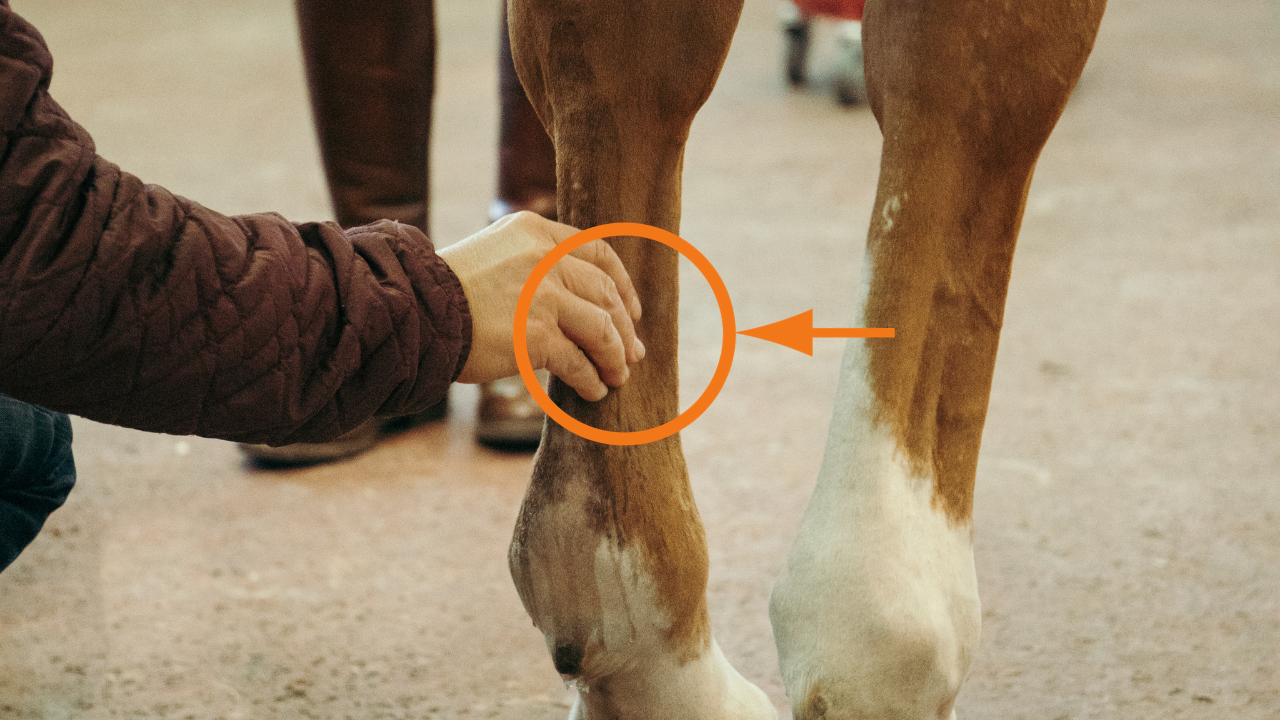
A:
[608,555]
[877,613]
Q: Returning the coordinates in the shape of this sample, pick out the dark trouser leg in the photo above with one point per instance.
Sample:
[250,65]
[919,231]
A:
[796,28]
[37,471]
[526,156]
[371,71]
[371,74]
[508,416]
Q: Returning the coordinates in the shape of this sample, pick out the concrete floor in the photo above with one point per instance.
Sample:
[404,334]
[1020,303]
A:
[1128,510]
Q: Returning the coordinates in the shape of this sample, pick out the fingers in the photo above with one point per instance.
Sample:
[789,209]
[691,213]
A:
[596,252]
[588,306]
[585,335]
[576,339]
[589,283]
[600,254]
[592,328]
[565,361]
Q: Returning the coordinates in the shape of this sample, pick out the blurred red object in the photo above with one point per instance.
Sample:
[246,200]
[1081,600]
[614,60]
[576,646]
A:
[842,9]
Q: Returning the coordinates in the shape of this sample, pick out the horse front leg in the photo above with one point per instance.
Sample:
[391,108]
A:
[877,613]
[608,553]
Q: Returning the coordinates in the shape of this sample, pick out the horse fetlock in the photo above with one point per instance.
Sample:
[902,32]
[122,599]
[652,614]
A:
[612,633]
[911,684]
[897,662]
[663,685]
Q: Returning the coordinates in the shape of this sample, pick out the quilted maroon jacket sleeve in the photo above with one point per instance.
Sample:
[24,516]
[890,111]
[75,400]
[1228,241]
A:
[124,303]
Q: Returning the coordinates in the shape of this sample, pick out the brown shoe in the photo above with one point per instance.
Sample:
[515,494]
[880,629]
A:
[364,437]
[508,418]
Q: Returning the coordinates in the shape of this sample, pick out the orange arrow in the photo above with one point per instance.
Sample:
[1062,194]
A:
[797,332]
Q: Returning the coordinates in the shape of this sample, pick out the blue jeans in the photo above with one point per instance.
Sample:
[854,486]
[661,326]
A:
[36,471]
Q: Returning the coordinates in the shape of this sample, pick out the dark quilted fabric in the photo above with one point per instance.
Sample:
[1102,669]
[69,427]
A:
[124,303]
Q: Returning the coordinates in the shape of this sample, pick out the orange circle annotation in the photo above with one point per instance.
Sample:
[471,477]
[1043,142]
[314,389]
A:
[638,437]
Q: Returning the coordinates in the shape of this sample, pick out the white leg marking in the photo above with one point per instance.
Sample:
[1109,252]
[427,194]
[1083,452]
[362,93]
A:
[877,613]
[628,669]
[891,208]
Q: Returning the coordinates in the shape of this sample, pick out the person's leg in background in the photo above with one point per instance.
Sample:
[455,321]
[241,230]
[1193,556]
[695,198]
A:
[849,79]
[797,21]
[371,73]
[508,416]
[797,29]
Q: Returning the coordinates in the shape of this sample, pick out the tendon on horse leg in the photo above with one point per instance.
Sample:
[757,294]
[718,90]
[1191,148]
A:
[608,554]
[876,614]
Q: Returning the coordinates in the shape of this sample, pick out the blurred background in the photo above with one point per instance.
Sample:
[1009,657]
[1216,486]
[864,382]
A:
[1128,508]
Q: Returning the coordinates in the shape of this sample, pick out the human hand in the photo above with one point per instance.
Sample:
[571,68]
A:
[580,325]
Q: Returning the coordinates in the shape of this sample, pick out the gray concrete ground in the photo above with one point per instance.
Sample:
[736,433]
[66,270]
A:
[1129,492]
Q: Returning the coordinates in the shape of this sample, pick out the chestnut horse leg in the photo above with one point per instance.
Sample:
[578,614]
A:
[877,612]
[608,554]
